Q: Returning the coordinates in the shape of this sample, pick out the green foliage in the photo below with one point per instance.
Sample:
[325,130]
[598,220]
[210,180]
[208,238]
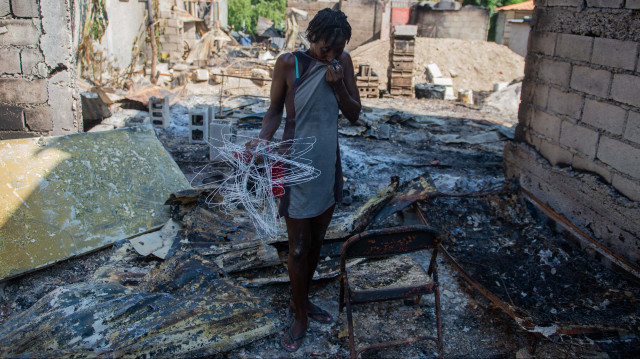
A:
[247,11]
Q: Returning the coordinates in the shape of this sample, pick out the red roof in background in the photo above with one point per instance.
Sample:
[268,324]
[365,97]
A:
[527,5]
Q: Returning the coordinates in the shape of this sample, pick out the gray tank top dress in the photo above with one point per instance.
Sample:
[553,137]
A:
[312,111]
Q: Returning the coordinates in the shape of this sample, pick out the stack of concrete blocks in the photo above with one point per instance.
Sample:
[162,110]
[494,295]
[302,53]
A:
[218,130]
[38,94]
[171,41]
[367,82]
[159,112]
[401,60]
[199,119]
[435,77]
[577,142]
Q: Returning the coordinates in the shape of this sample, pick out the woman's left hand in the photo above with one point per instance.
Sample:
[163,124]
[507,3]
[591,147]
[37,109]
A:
[334,75]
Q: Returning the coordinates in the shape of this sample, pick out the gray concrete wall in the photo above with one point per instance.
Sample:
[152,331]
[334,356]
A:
[578,137]
[468,23]
[125,19]
[364,16]
[38,95]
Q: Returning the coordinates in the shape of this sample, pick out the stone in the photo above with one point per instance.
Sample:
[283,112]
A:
[425,90]
[632,133]
[604,116]
[39,118]
[23,91]
[93,108]
[615,53]
[579,138]
[25,8]
[20,32]
[610,151]
[10,61]
[574,47]
[625,88]
[592,81]
[30,59]
[11,118]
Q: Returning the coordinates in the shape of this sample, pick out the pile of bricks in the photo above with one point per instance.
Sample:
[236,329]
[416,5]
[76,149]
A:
[401,59]
[367,81]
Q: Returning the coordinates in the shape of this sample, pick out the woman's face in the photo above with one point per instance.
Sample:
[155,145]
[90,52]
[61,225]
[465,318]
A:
[323,51]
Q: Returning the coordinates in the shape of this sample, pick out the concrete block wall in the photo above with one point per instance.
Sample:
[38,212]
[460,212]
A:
[580,112]
[364,16]
[38,95]
[468,23]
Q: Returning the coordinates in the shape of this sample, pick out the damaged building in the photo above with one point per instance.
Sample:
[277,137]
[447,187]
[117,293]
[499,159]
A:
[526,162]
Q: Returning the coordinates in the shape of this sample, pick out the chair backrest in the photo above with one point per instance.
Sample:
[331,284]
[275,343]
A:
[389,241]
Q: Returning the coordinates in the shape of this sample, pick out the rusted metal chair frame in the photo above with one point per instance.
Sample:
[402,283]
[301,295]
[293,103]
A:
[385,243]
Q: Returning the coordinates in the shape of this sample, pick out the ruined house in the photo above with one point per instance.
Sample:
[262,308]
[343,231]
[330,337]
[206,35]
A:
[577,141]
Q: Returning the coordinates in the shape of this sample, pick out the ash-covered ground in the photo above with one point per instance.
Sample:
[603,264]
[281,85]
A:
[496,236]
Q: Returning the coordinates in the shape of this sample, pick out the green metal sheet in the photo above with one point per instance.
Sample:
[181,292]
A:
[64,196]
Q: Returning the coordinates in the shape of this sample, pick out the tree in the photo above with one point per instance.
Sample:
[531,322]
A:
[247,11]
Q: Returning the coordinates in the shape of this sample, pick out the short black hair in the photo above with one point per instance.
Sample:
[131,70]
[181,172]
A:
[328,25]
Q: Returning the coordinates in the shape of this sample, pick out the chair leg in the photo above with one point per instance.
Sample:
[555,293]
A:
[341,302]
[352,342]
[438,322]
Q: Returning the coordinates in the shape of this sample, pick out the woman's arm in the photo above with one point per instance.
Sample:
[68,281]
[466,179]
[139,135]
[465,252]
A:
[280,82]
[342,80]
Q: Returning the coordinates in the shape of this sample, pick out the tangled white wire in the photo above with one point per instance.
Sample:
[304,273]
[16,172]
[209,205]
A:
[257,177]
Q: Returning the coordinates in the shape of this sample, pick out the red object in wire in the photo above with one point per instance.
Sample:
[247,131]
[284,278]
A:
[277,178]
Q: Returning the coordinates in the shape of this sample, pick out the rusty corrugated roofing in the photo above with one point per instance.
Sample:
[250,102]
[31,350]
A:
[527,5]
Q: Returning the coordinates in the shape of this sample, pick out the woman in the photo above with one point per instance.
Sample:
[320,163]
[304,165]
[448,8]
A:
[313,85]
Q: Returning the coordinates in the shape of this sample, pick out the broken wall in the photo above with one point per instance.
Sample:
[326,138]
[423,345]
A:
[364,16]
[468,23]
[38,95]
[577,144]
[125,19]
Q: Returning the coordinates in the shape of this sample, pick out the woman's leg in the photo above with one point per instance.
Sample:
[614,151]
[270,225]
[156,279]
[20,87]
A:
[305,242]
[299,231]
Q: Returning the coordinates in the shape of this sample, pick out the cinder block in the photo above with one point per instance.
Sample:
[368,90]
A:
[11,118]
[591,81]
[574,47]
[19,33]
[199,118]
[12,135]
[619,155]
[555,72]
[632,133]
[555,154]
[176,23]
[29,59]
[616,4]
[579,138]
[10,61]
[534,140]
[541,95]
[628,187]
[551,3]
[5,8]
[159,112]
[218,129]
[25,8]
[546,124]
[565,103]
[23,91]
[626,89]
[542,42]
[604,116]
[633,4]
[589,165]
[39,118]
[615,53]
